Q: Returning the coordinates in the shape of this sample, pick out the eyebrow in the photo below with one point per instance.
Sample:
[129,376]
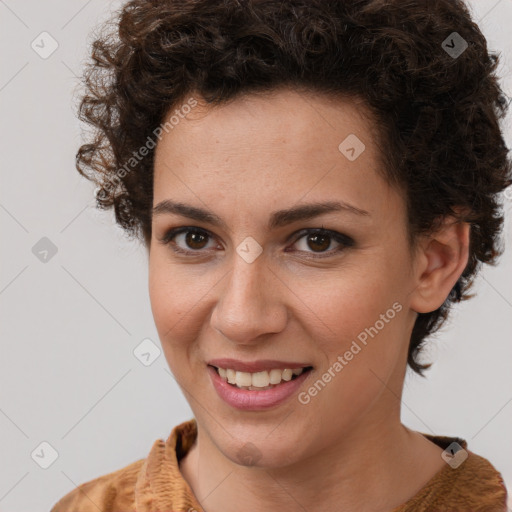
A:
[278,218]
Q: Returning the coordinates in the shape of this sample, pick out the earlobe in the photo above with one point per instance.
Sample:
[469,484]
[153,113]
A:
[442,259]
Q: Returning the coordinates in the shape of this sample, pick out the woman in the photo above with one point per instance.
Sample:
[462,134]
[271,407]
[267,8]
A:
[316,182]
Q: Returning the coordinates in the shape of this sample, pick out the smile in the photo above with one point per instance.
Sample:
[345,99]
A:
[263,388]
[259,381]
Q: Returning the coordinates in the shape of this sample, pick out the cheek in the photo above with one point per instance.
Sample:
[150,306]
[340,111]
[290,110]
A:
[163,302]
[361,351]
[363,319]
[168,295]
[178,299]
[353,302]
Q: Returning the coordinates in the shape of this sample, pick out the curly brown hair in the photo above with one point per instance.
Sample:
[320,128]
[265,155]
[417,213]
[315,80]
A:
[436,114]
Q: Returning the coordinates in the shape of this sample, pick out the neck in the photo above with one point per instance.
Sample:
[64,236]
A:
[376,467]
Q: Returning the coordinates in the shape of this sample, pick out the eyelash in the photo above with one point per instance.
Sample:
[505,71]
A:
[344,240]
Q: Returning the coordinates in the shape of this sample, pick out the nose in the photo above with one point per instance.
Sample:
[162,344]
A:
[250,303]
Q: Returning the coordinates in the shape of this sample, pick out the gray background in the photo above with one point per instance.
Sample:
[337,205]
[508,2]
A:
[68,375]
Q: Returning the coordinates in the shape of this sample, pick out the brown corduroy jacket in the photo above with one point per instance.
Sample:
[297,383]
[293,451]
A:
[155,484]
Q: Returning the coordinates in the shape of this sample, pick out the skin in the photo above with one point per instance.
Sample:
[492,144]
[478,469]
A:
[242,161]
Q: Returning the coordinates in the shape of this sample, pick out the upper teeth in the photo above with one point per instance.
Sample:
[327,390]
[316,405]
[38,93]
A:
[258,379]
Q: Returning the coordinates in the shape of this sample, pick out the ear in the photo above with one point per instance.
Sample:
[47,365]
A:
[440,259]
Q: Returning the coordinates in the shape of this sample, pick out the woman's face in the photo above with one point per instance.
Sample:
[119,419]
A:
[255,285]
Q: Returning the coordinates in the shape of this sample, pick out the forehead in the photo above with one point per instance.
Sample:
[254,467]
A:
[272,148]
[281,118]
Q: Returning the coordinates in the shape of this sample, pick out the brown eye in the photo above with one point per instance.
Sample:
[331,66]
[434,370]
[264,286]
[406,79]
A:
[187,240]
[195,240]
[192,241]
[319,242]
[316,242]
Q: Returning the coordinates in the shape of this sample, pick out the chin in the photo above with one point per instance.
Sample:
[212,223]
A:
[269,446]
[263,456]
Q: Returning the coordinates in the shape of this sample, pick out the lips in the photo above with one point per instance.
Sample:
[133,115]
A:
[255,398]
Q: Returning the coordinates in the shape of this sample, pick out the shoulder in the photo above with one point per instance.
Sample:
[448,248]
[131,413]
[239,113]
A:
[140,484]
[467,482]
[116,489]
[479,483]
